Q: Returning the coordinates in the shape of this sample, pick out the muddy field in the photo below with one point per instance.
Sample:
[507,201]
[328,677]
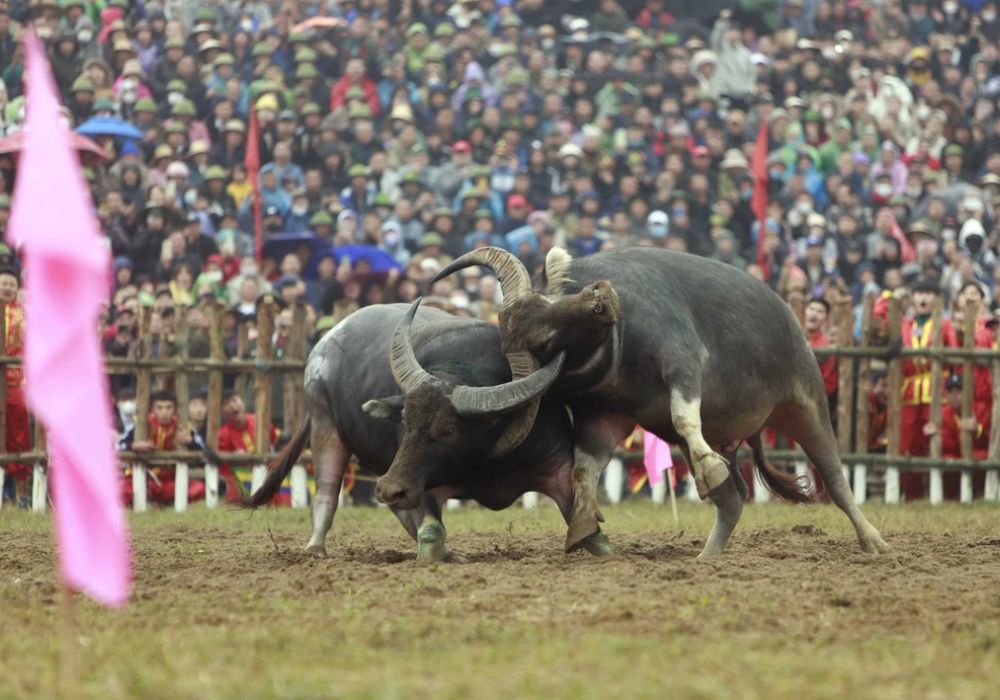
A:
[226,605]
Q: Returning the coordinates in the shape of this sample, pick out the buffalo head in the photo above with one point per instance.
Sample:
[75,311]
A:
[535,327]
[449,427]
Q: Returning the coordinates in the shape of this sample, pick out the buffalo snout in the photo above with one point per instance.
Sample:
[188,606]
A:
[395,494]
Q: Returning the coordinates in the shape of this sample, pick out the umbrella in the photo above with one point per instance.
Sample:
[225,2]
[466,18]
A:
[109,126]
[378,260]
[84,146]
[281,244]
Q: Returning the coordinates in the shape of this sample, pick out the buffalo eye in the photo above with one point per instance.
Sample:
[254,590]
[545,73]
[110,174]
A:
[446,432]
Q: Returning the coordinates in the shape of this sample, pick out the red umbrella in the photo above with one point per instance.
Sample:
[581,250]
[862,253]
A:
[87,149]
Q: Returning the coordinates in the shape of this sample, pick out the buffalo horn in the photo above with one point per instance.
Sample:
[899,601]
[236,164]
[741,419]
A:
[515,283]
[405,369]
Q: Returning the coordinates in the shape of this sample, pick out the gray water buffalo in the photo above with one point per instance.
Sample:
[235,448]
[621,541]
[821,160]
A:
[693,350]
[463,424]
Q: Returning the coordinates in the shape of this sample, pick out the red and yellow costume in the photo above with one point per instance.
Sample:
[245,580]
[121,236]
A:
[235,438]
[18,428]
[916,409]
[161,487]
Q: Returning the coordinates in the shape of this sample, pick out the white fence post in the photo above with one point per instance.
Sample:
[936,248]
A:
[992,490]
[691,490]
[936,487]
[257,477]
[40,488]
[659,492]
[453,503]
[530,500]
[211,486]
[760,492]
[180,487]
[614,480]
[892,485]
[965,495]
[860,484]
[300,487]
[139,501]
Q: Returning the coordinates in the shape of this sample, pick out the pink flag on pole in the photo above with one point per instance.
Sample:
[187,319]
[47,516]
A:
[656,457]
[67,267]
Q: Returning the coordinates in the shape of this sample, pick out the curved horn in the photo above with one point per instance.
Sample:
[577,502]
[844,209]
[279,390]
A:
[492,400]
[515,282]
[405,369]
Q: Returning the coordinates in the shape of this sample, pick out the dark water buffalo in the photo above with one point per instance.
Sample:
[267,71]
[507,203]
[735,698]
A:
[468,430]
[695,351]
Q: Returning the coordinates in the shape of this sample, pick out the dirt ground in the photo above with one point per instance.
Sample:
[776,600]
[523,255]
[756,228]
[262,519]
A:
[226,605]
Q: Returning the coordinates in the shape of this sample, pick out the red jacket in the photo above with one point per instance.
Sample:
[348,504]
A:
[982,377]
[828,367]
[951,443]
[340,88]
[235,439]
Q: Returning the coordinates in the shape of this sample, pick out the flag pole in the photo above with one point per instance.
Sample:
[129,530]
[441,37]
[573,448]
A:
[69,656]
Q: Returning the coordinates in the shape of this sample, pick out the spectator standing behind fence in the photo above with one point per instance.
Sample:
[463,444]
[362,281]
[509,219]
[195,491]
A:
[878,410]
[985,339]
[918,332]
[238,434]
[18,433]
[952,427]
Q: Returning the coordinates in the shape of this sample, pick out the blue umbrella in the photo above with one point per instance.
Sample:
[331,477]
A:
[281,244]
[378,260]
[109,126]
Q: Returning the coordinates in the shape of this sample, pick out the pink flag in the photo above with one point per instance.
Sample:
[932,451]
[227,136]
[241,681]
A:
[656,457]
[66,273]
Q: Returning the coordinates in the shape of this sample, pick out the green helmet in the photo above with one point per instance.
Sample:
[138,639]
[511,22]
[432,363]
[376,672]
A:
[306,70]
[145,104]
[215,172]
[83,84]
[305,55]
[357,170]
[321,218]
[184,108]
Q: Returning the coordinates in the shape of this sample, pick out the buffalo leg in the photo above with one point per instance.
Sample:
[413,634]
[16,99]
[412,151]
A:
[559,487]
[728,499]
[330,458]
[595,439]
[710,468]
[809,425]
[432,534]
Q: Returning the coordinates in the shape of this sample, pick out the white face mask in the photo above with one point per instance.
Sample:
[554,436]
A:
[883,189]
[127,408]
[803,207]
[300,209]
[84,36]
[950,8]
[923,111]
[989,16]
[213,276]
[250,271]
[390,240]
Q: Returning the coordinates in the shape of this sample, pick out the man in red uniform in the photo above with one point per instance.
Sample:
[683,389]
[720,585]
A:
[817,313]
[982,376]
[952,427]
[162,437]
[18,433]
[918,332]
[238,434]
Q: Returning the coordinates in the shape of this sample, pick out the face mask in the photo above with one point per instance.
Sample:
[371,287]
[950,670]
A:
[883,190]
[214,276]
[127,408]
[391,239]
[989,16]
[827,112]
[950,8]
[548,43]
[923,111]
[775,173]
[745,195]
[174,97]
[250,271]
[913,192]
[803,207]
[678,213]
[300,209]
[84,36]
[190,197]
[246,24]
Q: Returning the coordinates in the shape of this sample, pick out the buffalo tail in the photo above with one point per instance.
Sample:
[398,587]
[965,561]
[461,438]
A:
[787,487]
[278,469]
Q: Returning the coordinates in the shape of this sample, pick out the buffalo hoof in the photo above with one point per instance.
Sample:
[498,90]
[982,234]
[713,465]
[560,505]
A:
[874,544]
[582,528]
[598,545]
[317,550]
[431,546]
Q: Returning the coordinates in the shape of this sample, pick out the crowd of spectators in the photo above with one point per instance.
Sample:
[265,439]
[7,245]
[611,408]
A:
[398,134]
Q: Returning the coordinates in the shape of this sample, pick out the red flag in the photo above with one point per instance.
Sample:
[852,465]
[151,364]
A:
[758,166]
[67,268]
[252,163]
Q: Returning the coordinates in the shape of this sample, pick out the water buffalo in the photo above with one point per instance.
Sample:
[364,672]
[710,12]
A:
[467,428]
[696,351]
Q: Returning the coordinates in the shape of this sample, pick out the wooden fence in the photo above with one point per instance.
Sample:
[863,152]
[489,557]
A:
[166,360]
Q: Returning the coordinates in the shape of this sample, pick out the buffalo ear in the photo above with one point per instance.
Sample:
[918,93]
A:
[389,408]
